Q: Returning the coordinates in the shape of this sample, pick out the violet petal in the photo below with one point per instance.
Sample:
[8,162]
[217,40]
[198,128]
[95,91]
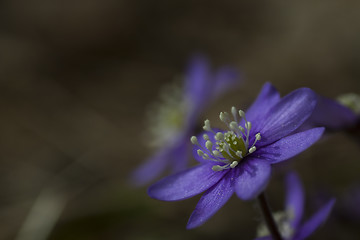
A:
[315,221]
[266,99]
[294,198]
[287,115]
[150,169]
[289,146]
[254,175]
[212,200]
[185,184]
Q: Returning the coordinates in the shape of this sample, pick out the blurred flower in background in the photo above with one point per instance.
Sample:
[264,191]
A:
[335,115]
[173,120]
[289,221]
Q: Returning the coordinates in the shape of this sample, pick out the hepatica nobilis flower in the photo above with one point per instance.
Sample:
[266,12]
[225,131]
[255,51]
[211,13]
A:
[289,222]
[173,120]
[239,159]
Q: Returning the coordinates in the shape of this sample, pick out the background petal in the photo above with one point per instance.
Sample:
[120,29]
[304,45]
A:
[197,76]
[287,115]
[332,115]
[289,146]
[254,175]
[226,78]
[294,198]
[181,154]
[212,200]
[315,221]
[185,184]
[150,169]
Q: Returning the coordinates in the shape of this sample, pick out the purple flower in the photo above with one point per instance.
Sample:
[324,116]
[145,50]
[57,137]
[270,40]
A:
[289,222]
[335,115]
[173,120]
[239,160]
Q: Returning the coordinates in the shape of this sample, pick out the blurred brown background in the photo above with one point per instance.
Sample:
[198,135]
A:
[76,78]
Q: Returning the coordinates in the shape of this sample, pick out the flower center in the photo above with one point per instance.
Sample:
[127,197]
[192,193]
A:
[229,147]
[283,222]
[166,117]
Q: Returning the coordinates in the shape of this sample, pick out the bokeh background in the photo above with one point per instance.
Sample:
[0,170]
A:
[76,78]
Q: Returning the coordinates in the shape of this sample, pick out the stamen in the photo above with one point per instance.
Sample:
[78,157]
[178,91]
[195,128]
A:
[234,113]
[234,164]
[233,126]
[206,137]
[242,113]
[219,136]
[248,125]
[227,148]
[224,117]
[194,140]
[206,126]
[258,137]
[252,149]
[242,130]
[216,153]
[231,146]
[217,168]
[209,145]
[200,152]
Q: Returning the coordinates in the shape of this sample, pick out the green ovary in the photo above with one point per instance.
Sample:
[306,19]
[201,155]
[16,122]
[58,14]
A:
[236,145]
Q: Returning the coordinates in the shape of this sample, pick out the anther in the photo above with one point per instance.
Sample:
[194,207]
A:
[239,154]
[242,113]
[233,125]
[224,117]
[234,164]
[219,136]
[200,152]
[248,125]
[252,149]
[217,168]
[242,129]
[209,145]
[234,112]
[258,137]
[216,153]
[194,140]
[206,126]
[206,137]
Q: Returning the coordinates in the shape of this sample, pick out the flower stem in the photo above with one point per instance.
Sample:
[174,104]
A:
[270,223]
